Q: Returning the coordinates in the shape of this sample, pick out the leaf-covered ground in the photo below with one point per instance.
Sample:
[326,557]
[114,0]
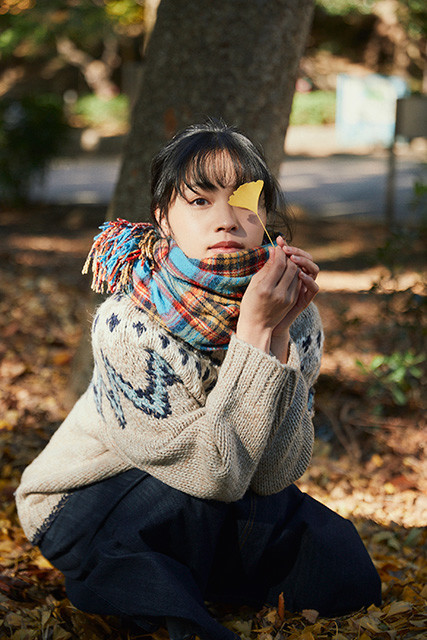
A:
[369,460]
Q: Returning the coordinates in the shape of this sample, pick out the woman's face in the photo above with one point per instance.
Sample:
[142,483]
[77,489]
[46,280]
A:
[203,224]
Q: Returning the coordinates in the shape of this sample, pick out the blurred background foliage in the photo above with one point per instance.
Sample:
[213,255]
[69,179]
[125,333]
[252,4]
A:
[87,55]
[32,132]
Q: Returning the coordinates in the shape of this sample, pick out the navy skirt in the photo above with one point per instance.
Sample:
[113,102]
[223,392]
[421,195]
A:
[134,547]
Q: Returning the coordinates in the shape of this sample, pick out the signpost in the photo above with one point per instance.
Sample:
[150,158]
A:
[410,122]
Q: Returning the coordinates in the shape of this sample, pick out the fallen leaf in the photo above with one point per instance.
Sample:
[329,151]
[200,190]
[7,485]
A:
[368,623]
[42,562]
[413,537]
[61,358]
[402,483]
[409,595]
[13,620]
[398,607]
[281,607]
[310,615]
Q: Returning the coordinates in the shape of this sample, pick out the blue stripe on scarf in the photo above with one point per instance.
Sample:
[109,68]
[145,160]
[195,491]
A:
[186,266]
[189,269]
[160,301]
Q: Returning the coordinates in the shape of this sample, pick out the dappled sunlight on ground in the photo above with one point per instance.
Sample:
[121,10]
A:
[364,280]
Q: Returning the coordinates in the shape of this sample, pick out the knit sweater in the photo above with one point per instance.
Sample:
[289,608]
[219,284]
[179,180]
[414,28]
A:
[209,425]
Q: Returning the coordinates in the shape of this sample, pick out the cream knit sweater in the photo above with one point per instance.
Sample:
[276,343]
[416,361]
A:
[206,427]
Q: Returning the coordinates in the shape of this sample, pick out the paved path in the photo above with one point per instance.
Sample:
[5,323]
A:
[346,185]
[329,186]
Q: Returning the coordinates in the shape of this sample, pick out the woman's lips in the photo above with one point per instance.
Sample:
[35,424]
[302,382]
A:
[226,247]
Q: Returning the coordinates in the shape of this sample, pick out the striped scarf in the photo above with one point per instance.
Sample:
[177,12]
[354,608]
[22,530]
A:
[195,300]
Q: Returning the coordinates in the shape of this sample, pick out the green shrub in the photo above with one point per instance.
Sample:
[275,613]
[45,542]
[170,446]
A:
[395,377]
[315,107]
[94,110]
[32,131]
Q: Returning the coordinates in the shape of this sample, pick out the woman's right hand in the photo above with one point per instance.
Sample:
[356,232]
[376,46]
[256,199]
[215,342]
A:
[272,293]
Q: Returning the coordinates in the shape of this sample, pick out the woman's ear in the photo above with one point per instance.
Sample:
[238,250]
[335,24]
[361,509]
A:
[162,223]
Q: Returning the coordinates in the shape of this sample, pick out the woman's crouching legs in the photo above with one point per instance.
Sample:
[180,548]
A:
[289,543]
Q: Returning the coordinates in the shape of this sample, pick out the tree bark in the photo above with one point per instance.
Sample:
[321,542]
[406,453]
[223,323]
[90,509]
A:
[233,59]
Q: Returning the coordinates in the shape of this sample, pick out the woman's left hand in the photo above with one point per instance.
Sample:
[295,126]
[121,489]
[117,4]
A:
[309,271]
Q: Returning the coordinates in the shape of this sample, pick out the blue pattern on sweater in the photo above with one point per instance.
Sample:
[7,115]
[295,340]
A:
[140,328]
[113,321]
[97,386]
[153,400]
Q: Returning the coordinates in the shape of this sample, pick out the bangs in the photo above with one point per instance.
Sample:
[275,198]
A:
[210,169]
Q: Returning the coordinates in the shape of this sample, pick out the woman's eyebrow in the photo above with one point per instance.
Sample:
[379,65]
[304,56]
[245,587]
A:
[197,188]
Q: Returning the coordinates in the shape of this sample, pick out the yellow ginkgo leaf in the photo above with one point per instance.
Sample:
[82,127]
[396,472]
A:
[247,197]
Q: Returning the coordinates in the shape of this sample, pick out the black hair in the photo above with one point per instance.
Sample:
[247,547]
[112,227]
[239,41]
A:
[195,158]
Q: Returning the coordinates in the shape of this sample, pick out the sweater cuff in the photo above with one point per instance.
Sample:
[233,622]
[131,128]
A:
[293,361]
[247,363]
[293,357]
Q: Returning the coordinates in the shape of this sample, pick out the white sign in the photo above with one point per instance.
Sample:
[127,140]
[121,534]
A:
[366,109]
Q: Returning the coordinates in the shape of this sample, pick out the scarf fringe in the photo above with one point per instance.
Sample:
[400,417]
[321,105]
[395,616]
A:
[114,252]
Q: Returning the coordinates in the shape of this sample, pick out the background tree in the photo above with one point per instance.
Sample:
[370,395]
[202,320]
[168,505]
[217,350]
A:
[382,36]
[234,60]
[87,35]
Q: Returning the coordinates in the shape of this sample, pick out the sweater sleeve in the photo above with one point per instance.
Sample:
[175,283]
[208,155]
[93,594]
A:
[153,419]
[289,446]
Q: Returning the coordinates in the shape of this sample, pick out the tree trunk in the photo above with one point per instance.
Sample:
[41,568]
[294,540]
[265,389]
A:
[233,59]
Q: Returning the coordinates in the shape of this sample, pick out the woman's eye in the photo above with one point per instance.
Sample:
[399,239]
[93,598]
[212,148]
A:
[200,202]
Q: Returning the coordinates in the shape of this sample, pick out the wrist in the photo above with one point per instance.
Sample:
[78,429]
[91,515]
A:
[257,337]
[280,346]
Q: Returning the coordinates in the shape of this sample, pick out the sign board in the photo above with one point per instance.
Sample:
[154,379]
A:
[366,109]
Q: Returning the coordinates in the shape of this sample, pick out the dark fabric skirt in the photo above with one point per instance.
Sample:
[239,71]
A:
[134,547]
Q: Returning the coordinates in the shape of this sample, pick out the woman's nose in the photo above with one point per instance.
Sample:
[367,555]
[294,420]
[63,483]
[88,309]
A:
[227,220]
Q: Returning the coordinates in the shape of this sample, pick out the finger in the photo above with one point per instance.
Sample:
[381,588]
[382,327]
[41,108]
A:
[270,274]
[276,267]
[307,265]
[297,252]
[289,283]
[281,242]
[309,283]
[306,295]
